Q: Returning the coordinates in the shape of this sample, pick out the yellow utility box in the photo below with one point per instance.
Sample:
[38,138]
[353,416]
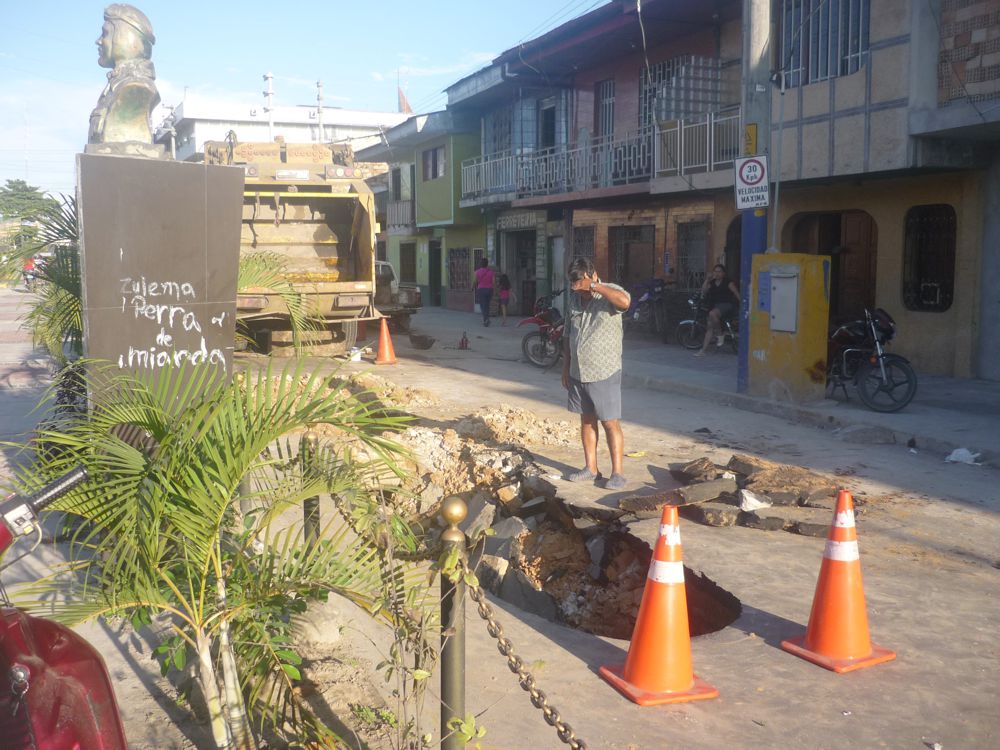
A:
[789,313]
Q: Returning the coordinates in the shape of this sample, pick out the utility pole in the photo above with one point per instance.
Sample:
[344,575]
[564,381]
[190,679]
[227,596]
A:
[319,110]
[269,99]
[756,105]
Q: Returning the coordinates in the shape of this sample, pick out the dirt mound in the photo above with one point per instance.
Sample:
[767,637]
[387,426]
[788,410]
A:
[510,424]
[391,394]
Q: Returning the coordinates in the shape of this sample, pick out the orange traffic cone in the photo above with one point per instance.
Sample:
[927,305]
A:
[386,354]
[837,636]
[658,667]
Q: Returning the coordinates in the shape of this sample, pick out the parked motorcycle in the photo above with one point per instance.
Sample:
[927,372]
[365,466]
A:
[856,353]
[646,310]
[543,348]
[55,691]
[690,333]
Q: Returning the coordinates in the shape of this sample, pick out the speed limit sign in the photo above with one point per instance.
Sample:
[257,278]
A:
[752,187]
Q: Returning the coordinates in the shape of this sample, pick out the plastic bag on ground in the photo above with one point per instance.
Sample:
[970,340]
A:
[750,501]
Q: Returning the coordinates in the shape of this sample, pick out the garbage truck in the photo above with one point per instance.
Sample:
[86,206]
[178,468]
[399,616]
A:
[308,204]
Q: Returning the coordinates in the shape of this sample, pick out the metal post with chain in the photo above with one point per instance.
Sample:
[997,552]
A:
[454,511]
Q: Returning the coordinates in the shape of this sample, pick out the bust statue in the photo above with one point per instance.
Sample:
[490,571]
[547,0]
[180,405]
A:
[120,123]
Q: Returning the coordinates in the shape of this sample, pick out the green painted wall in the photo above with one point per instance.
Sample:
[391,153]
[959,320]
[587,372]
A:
[434,197]
[465,236]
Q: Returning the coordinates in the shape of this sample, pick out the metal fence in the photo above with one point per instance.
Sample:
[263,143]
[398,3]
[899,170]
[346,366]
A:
[702,144]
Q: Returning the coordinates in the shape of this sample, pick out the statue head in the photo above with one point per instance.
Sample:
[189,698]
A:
[126,35]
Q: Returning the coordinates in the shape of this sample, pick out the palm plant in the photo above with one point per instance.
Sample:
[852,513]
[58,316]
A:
[167,532]
[264,272]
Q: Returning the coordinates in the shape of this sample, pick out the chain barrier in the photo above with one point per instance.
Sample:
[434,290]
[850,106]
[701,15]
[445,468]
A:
[524,677]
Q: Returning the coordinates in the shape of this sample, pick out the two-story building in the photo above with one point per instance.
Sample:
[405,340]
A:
[614,136]
[430,238]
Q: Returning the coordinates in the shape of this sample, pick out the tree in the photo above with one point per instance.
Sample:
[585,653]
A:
[197,520]
[19,200]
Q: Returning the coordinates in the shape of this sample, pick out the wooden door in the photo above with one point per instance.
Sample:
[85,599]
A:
[856,263]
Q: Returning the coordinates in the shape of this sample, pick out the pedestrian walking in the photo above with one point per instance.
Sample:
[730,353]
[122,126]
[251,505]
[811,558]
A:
[503,285]
[483,286]
[592,367]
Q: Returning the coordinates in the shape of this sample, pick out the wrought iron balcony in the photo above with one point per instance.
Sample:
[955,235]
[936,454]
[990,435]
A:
[679,147]
[599,163]
[702,144]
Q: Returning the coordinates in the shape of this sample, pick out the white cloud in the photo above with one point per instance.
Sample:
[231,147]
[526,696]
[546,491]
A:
[468,63]
[376,76]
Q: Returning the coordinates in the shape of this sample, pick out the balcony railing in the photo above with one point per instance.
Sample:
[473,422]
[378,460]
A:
[602,162]
[400,213]
[703,144]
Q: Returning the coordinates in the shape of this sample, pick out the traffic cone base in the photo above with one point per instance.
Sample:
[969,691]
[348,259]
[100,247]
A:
[878,655]
[386,352]
[699,690]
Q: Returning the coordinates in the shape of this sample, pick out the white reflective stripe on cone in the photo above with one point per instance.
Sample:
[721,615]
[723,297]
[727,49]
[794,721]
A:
[672,534]
[844,519]
[666,572]
[842,551]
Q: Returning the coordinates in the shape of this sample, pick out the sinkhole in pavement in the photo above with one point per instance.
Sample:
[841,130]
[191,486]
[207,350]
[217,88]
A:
[593,580]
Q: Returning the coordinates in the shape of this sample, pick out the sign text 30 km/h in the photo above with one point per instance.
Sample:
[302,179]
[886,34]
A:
[752,186]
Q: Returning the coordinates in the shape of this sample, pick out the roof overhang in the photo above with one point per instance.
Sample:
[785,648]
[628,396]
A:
[416,131]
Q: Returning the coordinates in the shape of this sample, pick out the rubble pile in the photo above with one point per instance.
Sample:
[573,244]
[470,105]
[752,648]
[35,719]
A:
[747,491]
[390,394]
[510,424]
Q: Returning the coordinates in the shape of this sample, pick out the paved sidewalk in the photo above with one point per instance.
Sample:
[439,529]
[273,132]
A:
[947,413]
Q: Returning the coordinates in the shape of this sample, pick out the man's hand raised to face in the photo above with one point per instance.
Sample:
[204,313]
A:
[585,283]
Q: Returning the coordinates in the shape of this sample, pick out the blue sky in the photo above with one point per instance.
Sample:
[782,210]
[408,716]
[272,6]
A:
[220,50]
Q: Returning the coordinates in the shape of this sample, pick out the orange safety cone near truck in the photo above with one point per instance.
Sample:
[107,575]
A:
[837,636]
[658,667]
[386,354]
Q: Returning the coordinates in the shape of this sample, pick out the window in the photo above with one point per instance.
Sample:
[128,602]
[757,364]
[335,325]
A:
[396,184]
[929,258]
[434,166]
[408,262]
[604,108]
[459,268]
[822,39]
[583,242]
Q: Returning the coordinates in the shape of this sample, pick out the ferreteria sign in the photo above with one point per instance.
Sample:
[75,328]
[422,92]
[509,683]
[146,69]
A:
[752,188]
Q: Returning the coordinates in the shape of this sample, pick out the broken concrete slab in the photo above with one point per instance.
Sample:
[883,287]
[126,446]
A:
[761,519]
[509,497]
[505,532]
[805,521]
[491,571]
[535,506]
[481,514]
[699,470]
[518,590]
[747,465]
[706,491]
[711,514]
[649,506]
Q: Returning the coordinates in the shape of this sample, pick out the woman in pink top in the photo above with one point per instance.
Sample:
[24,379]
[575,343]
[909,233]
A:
[484,289]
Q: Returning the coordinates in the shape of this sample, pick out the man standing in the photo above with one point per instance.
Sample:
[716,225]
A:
[592,366]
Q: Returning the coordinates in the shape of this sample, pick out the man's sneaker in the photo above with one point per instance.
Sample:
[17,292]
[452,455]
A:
[616,482]
[584,475]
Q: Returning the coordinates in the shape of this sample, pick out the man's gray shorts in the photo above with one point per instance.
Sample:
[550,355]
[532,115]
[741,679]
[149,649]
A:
[602,397]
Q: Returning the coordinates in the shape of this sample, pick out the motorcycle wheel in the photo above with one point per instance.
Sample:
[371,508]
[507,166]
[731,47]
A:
[539,351]
[690,334]
[897,391]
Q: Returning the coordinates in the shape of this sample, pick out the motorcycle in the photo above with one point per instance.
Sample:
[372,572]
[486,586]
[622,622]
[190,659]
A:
[856,353]
[690,333]
[543,348]
[646,310]
[55,691]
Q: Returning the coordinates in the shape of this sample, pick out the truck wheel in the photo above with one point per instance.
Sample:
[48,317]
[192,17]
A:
[400,323]
[350,331]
